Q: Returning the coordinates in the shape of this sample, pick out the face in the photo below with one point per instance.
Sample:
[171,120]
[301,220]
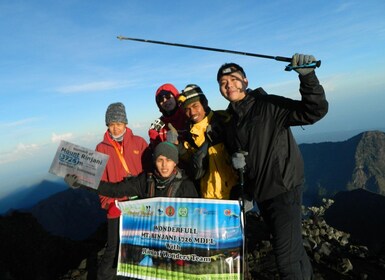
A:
[233,86]
[166,101]
[165,166]
[116,128]
[195,111]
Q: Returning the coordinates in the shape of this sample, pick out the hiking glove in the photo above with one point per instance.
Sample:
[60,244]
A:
[302,59]
[72,181]
[172,134]
[198,162]
[239,160]
[157,125]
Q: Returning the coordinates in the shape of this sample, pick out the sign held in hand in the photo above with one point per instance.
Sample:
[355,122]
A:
[88,165]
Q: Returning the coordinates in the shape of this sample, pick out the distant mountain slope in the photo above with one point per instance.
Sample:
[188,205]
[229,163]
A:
[330,167]
[369,171]
[362,214]
[26,197]
[75,214]
[27,251]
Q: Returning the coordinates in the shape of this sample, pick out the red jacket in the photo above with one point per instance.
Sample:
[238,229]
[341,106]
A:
[137,157]
[157,132]
[178,120]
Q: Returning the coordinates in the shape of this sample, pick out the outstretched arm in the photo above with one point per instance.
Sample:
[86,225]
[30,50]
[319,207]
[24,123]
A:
[313,105]
[130,186]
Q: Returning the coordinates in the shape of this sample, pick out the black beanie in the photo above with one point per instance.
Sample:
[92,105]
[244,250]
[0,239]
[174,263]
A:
[229,68]
[168,150]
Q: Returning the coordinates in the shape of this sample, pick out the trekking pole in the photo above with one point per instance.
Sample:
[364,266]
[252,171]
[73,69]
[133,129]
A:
[243,220]
[313,64]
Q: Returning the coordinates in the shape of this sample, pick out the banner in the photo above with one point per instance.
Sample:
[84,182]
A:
[87,164]
[180,238]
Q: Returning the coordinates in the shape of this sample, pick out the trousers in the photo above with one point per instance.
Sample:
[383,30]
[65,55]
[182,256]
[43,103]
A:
[107,266]
[283,216]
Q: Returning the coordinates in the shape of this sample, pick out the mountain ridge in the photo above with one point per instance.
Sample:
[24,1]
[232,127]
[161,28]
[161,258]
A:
[27,197]
[331,167]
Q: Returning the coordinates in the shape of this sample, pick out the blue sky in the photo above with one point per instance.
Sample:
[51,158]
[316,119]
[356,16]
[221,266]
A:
[61,65]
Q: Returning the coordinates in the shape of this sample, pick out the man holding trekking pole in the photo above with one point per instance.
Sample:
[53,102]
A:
[262,145]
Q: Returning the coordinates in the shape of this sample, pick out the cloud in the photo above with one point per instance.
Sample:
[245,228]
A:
[56,138]
[18,123]
[91,87]
[342,7]
[20,152]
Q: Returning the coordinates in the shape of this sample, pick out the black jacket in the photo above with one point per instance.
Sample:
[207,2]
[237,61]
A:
[141,185]
[260,125]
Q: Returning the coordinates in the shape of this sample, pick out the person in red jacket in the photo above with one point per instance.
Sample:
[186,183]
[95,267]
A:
[166,98]
[129,155]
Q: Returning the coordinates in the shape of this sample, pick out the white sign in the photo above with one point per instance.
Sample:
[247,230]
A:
[88,165]
[181,238]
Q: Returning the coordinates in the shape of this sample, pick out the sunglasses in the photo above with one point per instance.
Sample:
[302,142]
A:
[162,96]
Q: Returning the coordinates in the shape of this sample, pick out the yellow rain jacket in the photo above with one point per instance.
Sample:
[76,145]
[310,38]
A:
[219,177]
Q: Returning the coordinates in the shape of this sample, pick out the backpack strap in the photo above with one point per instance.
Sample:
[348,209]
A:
[150,189]
[175,185]
[171,190]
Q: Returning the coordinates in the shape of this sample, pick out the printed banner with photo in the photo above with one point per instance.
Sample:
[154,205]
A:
[180,238]
[88,165]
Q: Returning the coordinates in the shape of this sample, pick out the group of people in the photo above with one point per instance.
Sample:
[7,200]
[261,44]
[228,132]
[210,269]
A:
[194,151]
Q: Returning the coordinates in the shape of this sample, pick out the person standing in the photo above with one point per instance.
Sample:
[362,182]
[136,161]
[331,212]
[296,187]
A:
[166,98]
[128,156]
[203,146]
[261,143]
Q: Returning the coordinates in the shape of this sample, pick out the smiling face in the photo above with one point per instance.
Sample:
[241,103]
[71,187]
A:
[164,166]
[233,86]
[195,111]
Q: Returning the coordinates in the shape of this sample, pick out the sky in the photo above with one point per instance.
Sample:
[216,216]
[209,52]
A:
[61,65]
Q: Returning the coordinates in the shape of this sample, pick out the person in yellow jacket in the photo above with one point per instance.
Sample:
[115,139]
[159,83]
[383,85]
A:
[203,147]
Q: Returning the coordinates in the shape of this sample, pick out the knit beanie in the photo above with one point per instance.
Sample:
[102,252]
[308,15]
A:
[192,93]
[168,150]
[229,68]
[116,112]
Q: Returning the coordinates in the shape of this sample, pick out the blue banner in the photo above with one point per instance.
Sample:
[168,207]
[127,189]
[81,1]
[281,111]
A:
[180,238]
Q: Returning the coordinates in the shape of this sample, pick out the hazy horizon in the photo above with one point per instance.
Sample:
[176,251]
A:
[340,136]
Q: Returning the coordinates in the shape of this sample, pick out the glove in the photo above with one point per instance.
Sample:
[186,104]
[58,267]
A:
[302,59]
[239,160]
[72,181]
[198,164]
[157,125]
[209,133]
[201,153]
[172,134]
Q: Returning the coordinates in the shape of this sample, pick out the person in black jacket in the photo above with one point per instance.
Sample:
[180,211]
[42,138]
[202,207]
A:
[167,180]
[263,147]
